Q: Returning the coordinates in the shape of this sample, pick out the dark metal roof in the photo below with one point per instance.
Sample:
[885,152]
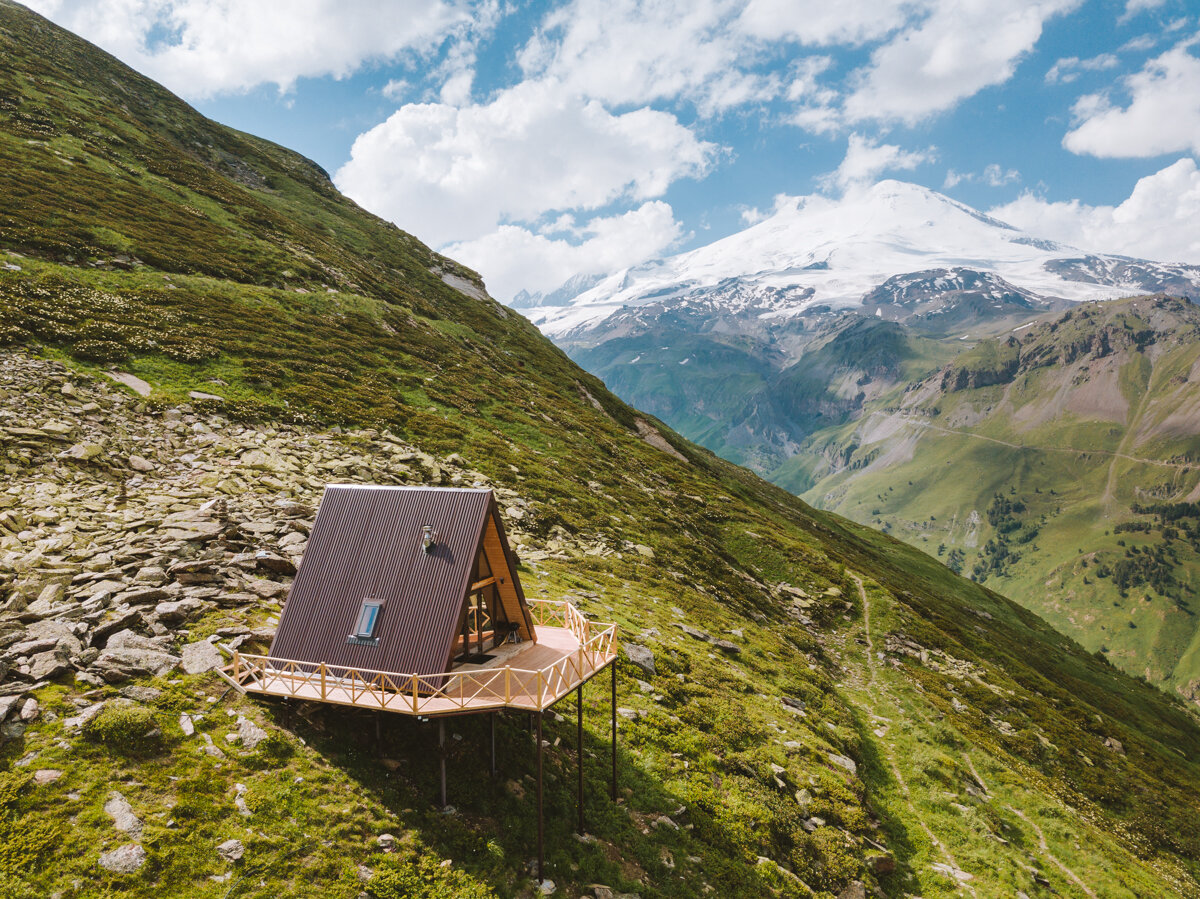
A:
[366,543]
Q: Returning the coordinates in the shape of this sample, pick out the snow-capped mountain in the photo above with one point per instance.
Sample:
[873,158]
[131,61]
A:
[895,248]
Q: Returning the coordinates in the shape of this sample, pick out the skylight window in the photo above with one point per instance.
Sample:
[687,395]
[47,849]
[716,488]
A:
[368,617]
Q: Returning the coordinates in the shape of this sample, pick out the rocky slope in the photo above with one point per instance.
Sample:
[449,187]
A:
[816,709]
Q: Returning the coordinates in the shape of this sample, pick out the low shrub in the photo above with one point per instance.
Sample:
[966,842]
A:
[424,879]
[126,728]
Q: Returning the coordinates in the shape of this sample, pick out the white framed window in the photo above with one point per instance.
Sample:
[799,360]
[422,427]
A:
[368,617]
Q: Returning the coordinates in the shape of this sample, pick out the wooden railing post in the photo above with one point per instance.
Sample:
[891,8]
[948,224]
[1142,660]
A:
[414,691]
[322,681]
[237,668]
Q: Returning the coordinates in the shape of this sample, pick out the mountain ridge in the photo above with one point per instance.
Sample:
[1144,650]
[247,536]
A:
[817,251]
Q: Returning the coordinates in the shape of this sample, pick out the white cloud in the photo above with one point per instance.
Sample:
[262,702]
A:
[1157,221]
[631,52]
[993,175]
[515,258]
[962,47]
[1134,7]
[447,173]
[866,160]
[1069,68]
[821,23]
[1163,115]
[199,48]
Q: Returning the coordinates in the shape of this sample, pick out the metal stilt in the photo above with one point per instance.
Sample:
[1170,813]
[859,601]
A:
[442,756]
[579,749]
[541,833]
[614,730]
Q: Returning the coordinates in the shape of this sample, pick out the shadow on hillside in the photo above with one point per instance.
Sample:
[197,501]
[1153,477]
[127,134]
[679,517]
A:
[876,775]
[653,841]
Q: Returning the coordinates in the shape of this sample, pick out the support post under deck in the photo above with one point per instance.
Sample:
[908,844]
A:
[442,756]
[492,720]
[539,797]
[579,749]
[614,730]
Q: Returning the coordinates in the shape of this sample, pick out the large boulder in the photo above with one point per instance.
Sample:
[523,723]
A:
[130,655]
[200,657]
[640,656]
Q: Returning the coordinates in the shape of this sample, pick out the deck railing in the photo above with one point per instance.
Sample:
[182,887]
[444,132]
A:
[560,613]
[433,694]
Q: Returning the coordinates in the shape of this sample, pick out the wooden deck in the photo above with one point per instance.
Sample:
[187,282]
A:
[531,676]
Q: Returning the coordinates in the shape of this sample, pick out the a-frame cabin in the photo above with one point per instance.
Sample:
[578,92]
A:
[410,580]
[408,601]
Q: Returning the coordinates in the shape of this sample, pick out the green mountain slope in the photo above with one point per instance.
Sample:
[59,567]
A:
[936,739]
[1081,432]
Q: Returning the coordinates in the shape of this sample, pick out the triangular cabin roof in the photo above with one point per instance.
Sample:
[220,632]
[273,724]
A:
[366,543]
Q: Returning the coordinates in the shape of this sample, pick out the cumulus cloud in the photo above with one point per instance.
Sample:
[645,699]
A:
[516,258]
[1162,116]
[960,48]
[866,160]
[993,175]
[821,23]
[199,48]
[1156,221]
[631,52]
[1068,69]
[455,173]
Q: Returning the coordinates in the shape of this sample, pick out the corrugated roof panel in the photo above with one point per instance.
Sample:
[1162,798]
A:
[366,543]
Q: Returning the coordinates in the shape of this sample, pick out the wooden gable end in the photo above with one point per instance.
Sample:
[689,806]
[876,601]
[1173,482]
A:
[503,564]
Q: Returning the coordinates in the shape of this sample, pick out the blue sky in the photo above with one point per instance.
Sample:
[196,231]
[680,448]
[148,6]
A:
[535,141]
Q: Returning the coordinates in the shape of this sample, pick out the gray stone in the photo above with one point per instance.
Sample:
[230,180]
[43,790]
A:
[44,776]
[49,665]
[118,808]
[144,596]
[124,860]
[175,613]
[250,733]
[186,725]
[640,656]
[140,463]
[855,891]
[129,655]
[842,761]
[133,382]
[694,633]
[83,452]
[200,657]
[151,576]
[30,710]
[231,850]
[274,563]
[266,589]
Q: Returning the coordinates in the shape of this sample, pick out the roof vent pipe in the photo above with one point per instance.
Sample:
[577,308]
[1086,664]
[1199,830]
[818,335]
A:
[427,538]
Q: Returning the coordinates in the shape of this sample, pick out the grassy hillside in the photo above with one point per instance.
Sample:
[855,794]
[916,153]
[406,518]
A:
[936,739]
[1081,439]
